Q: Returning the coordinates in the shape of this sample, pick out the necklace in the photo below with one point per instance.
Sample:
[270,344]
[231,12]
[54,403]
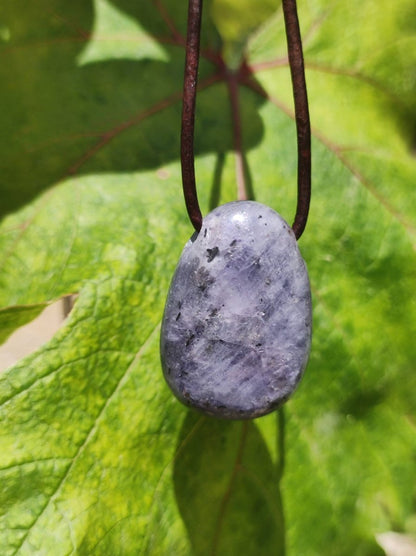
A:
[236,330]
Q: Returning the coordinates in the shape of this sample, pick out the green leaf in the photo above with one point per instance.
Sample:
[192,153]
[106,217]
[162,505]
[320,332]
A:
[97,456]
[236,22]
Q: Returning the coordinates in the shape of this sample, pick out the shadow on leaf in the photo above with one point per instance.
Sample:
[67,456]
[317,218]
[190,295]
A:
[63,117]
[227,488]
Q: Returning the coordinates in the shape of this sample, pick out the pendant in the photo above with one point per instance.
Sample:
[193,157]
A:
[236,331]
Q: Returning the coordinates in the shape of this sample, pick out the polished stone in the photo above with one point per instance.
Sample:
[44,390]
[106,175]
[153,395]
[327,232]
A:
[236,331]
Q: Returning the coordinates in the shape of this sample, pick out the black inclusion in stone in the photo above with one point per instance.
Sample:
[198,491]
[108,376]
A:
[212,253]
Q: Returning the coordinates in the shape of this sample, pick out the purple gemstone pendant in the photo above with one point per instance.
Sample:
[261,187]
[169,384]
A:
[236,331]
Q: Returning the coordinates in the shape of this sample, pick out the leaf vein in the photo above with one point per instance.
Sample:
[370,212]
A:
[227,494]
[337,150]
[91,432]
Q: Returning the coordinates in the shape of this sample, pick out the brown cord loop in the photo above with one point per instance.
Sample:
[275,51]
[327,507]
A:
[303,127]
[303,131]
[188,113]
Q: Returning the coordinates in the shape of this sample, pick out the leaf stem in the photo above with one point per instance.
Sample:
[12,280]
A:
[303,129]
[232,83]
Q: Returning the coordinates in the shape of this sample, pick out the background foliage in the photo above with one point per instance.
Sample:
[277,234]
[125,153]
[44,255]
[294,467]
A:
[96,456]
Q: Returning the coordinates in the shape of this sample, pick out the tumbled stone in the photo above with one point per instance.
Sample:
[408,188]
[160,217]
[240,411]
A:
[236,331]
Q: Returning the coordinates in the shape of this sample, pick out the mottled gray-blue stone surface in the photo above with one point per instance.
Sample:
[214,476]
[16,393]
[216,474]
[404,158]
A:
[236,330]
